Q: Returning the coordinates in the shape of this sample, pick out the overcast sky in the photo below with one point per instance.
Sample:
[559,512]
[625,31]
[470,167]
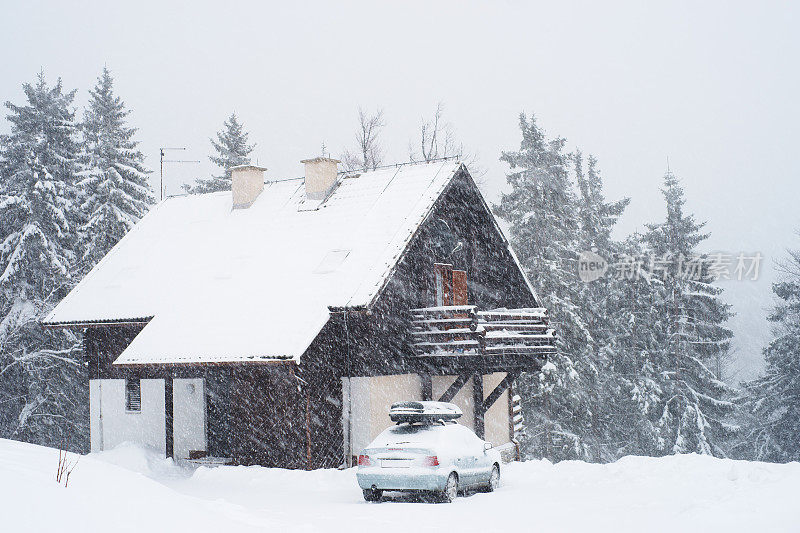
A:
[713,87]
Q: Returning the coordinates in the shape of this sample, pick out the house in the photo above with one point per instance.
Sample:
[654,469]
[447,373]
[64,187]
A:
[274,324]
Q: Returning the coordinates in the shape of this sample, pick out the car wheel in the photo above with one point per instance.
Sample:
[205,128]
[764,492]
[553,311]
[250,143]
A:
[494,479]
[373,495]
[450,491]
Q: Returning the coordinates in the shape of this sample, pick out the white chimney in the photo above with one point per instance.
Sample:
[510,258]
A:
[247,182]
[320,176]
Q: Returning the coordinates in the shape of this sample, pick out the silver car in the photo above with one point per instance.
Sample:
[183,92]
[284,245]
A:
[440,458]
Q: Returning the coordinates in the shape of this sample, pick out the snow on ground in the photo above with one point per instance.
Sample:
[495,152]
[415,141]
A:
[128,489]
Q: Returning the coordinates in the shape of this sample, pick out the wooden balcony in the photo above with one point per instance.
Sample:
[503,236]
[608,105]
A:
[460,340]
[456,337]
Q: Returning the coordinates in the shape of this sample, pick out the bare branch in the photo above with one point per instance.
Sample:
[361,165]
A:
[369,154]
[438,140]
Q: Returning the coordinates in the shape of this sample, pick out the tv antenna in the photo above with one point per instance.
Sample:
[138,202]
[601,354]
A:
[164,149]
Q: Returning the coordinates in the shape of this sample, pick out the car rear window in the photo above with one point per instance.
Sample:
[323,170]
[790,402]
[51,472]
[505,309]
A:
[409,434]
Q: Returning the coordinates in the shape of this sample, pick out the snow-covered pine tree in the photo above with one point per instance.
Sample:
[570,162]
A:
[113,180]
[773,400]
[632,387]
[600,310]
[232,149]
[42,381]
[694,410]
[541,209]
[598,217]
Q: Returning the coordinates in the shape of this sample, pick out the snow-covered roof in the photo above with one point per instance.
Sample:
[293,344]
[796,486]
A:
[225,285]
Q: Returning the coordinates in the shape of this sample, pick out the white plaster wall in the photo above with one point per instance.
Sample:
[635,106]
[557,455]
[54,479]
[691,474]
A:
[495,421]
[359,414]
[95,422]
[386,390]
[189,412]
[463,399]
[370,399]
[111,424]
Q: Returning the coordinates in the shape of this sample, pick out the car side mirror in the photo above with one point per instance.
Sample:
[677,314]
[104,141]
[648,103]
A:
[487,446]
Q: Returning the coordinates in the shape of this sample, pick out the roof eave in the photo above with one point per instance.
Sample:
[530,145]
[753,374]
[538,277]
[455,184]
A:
[209,364]
[138,321]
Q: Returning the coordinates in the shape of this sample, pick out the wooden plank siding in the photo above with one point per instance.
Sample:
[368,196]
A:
[265,408]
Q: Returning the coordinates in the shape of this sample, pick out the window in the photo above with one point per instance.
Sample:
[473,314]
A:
[444,284]
[332,261]
[460,287]
[450,285]
[133,395]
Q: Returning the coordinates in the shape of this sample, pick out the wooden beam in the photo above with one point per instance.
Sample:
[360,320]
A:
[477,401]
[169,415]
[511,423]
[442,365]
[308,429]
[498,391]
[427,386]
[451,392]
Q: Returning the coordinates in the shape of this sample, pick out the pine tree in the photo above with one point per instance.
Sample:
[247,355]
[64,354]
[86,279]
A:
[694,408]
[231,149]
[600,304]
[597,217]
[632,386]
[542,211]
[114,179]
[42,385]
[637,370]
[773,400]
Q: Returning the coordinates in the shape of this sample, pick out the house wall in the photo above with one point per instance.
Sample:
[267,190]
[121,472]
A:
[95,422]
[370,399]
[325,401]
[112,425]
[496,421]
[189,415]
[360,415]
[386,390]
[270,417]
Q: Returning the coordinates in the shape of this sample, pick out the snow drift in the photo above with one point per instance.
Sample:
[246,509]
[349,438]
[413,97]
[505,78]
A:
[129,489]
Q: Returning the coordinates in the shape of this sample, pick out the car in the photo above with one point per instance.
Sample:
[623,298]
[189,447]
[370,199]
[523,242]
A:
[428,452]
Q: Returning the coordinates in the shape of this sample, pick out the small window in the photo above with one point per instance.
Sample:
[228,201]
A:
[444,284]
[133,395]
[332,261]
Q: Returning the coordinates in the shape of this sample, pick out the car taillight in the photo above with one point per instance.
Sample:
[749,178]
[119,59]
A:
[363,460]
[431,460]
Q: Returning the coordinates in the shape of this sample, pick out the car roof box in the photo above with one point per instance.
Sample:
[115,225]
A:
[423,412]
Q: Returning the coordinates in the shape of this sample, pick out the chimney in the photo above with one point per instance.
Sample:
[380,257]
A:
[247,182]
[320,176]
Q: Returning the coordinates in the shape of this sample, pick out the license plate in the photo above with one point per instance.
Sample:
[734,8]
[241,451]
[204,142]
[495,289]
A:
[395,463]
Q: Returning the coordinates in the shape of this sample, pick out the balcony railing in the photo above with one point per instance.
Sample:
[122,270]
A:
[464,330]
